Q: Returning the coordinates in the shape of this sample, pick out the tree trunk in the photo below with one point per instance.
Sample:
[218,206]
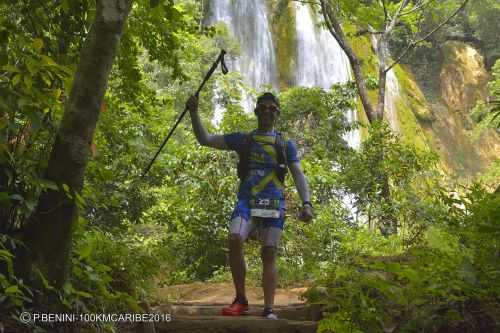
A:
[362,90]
[335,29]
[49,235]
[381,51]
[389,221]
[4,209]
[382,78]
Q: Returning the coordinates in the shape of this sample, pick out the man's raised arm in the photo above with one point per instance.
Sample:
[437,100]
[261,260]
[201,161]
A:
[203,137]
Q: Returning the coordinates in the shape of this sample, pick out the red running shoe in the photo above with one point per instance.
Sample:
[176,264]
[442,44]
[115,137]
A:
[236,309]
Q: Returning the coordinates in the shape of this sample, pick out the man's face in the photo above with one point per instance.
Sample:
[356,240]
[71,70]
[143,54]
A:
[267,113]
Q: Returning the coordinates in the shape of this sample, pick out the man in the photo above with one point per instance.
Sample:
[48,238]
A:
[264,158]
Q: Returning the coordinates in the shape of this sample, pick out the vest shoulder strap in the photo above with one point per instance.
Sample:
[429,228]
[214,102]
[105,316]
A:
[281,156]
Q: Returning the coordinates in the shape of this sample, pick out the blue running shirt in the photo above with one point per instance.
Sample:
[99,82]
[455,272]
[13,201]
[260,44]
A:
[262,181]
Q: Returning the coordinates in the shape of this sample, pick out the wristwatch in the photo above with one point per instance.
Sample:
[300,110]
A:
[307,203]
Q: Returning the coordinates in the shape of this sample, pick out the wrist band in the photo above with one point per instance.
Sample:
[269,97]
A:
[307,203]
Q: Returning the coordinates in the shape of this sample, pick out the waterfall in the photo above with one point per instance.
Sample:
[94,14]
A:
[391,96]
[321,62]
[391,93]
[247,22]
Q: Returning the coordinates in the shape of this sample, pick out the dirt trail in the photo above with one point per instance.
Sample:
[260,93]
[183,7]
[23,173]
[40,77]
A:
[223,293]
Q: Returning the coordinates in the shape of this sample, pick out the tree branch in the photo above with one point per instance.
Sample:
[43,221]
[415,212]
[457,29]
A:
[414,43]
[395,18]
[332,25]
[336,30]
[385,12]
[421,5]
[367,31]
[305,2]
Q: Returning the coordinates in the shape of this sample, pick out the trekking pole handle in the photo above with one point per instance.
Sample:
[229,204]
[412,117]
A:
[220,59]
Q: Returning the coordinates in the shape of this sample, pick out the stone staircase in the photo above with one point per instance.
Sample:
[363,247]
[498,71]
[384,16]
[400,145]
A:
[190,317]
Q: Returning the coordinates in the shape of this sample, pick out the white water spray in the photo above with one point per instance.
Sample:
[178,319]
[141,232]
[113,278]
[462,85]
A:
[391,97]
[321,62]
[247,21]
[391,94]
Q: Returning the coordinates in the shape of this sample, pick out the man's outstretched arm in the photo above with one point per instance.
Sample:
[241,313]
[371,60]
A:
[203,137]
[306,214]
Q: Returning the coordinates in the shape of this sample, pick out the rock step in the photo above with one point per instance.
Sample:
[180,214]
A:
[241,324]
[298,312]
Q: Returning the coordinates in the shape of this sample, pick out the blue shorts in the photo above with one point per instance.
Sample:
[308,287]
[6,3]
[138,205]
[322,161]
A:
[242,210]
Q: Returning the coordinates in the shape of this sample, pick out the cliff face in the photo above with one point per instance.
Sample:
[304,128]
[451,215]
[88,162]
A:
[462,82]
[433,111]
[463,76]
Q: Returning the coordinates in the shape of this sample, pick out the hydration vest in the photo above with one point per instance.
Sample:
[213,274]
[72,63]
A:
[244,157]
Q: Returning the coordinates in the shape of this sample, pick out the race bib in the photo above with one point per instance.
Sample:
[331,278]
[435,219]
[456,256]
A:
[264,207]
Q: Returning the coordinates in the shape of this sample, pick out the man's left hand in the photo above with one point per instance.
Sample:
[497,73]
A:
[306,214]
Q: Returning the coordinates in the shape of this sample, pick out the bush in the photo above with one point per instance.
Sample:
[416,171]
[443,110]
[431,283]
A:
[447,281]
[111,271]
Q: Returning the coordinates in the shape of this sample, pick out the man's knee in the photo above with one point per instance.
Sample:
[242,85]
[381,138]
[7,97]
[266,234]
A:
[235,240]
[268,253]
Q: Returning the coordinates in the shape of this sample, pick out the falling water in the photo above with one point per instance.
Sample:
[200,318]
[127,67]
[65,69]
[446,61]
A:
[321,62]
[391,94]
[247,22]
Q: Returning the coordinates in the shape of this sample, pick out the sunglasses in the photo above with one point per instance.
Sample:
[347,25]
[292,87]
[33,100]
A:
[272,108]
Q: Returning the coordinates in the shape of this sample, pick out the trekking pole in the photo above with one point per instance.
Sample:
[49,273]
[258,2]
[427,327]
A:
[212,69]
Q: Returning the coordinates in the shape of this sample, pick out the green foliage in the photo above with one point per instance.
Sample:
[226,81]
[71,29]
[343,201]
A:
[307,249]
[163,30]
[490,178]
[111,273]
[316,118]
[111,270]
[475,218]
[171,226]
[14,294]
[196,233]
[483,19]
[39,48]
[38,55]
[34,76]
[402,165]
[448,280]
[376,16]
[487,113]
